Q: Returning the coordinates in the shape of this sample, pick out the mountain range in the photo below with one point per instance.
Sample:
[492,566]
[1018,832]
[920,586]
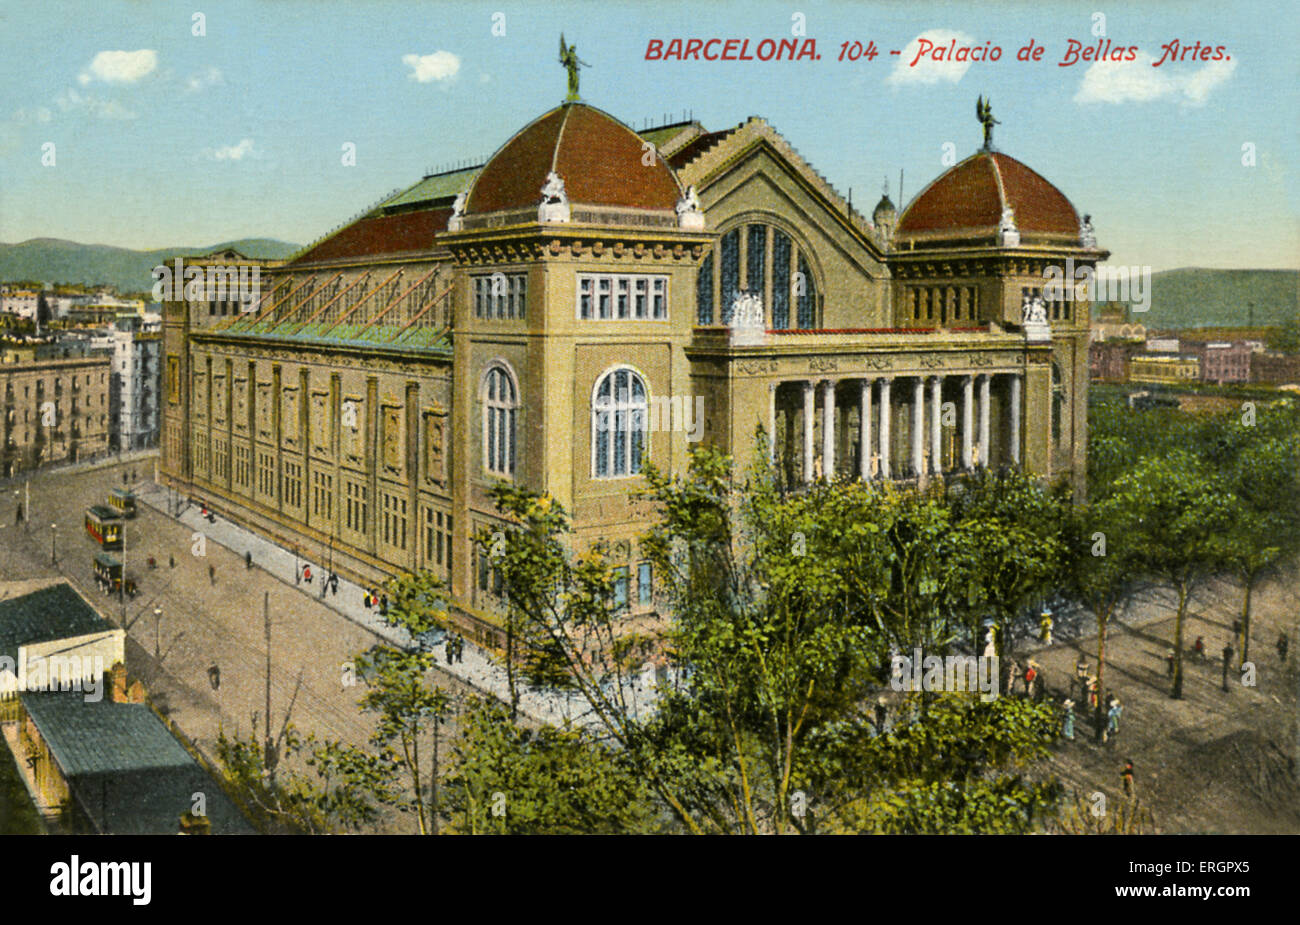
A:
[53,260]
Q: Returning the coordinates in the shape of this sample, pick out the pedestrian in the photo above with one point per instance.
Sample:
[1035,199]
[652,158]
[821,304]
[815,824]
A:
[171,562]
[449,650]
[1236,632]
[881,713]
[248,559]
[1127,776]
[1013,674]
[1227,661]
[1198,647]
[1045,627]
[306,573]
[18,515]
[212,574]
[1112,716]
[1169,662]
[1031,675]
[1282,645]
[365,600]
[383,605]
[460,648]
[1067,722]
[1092,692]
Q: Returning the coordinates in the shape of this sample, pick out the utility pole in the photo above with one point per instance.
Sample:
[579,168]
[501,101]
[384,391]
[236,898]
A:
[269,759]
[123,596]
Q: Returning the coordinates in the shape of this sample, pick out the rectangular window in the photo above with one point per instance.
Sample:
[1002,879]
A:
[585,285]
[500,296]
[322,501]
[644,584]
[355,514]
[622,297]
[620,587]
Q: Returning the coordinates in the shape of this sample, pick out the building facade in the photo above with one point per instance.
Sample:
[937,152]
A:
[134,386]
[55,409]
[591,299]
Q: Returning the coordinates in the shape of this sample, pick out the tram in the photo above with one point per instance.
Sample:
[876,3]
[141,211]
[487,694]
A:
[104,526]
[108,575]
[123,501]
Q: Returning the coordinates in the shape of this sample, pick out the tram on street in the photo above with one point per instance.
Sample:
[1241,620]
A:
[122,500]
[108,575]
[104,526]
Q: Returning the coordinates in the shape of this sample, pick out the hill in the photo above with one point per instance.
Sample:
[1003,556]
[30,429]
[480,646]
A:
[54,260]
[1195,297]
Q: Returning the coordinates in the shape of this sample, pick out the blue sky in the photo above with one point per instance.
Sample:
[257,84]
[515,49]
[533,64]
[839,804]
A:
[191,140]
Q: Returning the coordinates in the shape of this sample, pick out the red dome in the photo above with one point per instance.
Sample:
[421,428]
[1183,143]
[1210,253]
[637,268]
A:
[598,157]
[967,201]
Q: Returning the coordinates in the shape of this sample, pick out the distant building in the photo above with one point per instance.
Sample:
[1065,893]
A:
[1164,370]
[1109,359]
[1273,367]
[1115,323]
[1221,361]
[1163,345]
[133,417]
[54,404]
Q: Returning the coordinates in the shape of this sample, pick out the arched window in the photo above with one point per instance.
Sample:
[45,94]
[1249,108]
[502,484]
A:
[500,404]
[618,424]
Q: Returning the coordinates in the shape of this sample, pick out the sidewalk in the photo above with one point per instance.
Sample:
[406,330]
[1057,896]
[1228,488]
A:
[479,669]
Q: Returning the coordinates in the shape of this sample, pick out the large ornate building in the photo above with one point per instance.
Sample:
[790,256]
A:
[592,298]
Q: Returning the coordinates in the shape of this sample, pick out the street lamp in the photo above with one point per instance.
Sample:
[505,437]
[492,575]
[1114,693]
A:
[54,532]
[157,630]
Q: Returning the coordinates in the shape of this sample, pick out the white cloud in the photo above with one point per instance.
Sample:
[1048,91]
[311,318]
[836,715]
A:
[204,79]
[1137,81]
[927,70]
[441,65]
[236,152]
[123,67]
[70,100]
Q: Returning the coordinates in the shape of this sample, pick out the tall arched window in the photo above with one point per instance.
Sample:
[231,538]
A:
[618,424]
[500,403]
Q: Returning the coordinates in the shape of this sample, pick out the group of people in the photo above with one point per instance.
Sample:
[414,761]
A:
[455,649]
[373,599]
[1114,709]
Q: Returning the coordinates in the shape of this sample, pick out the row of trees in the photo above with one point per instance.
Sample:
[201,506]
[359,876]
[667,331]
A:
[786,610]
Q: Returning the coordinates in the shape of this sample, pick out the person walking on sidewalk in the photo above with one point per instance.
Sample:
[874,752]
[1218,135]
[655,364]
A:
[212,574]
[1127,777]
[1282,645]
[1067,722]
[449,650]
[460,648]
[1112,716]
[248,560]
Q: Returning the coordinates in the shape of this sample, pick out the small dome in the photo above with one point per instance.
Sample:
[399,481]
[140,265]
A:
[968,201]
[884,207]
[600,160]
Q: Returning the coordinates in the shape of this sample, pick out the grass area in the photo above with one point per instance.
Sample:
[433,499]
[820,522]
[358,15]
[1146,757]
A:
[18,815]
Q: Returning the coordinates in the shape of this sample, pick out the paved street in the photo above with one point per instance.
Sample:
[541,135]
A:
[202,622]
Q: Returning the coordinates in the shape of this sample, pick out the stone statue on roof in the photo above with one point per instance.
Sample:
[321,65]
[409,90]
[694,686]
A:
[984,113]
[689,215]
[555,201]
[457,221]
[569,58]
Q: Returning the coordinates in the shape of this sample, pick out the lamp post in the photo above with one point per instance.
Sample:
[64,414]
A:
[157,630]
[54,532]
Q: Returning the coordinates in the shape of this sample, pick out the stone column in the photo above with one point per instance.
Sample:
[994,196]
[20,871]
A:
[918,426]
[864,430]
[984,420]
[1015,418]
[828,429]
[884,427]
[967,421]
[936,414]
[809,406]
[771,422]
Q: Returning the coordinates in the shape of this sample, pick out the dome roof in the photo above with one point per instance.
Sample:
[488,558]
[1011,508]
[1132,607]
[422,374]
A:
[598,157]
[967,201]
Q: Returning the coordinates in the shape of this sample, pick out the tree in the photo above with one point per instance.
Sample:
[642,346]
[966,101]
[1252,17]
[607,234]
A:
[1100,567]
[510,780]
[1179,511]
[407,706]
[1260,462]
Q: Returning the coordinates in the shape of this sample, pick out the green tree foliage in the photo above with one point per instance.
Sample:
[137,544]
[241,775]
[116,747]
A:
[507,779]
